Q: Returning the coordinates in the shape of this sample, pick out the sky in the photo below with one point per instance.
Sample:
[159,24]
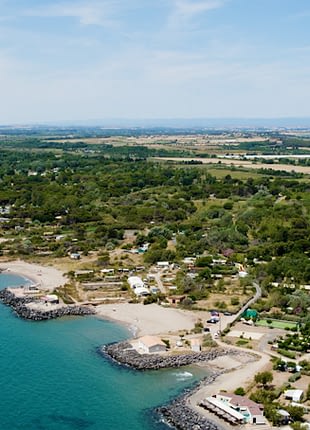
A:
[66,60]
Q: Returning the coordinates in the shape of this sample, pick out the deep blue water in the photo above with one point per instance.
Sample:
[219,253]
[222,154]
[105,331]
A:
[52,377]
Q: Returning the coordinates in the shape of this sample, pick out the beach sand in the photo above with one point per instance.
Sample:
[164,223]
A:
[153,319]
[148,319]
[46,277]
[239,372]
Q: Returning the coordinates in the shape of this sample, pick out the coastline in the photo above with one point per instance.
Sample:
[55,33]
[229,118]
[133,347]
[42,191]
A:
[147,319]
[152,319]
[47,277]
[228,368]
[227,372]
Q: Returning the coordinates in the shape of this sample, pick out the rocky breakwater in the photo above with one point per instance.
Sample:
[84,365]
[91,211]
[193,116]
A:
[22,307]
[125,354]
[181,416]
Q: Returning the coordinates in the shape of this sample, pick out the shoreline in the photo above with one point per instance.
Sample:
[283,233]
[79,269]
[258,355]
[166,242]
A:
[184,412]
[181,416]
[126,355]
[47,277]
[152,319]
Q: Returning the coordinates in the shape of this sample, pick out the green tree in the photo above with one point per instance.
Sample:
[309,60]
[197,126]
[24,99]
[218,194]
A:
[263,378]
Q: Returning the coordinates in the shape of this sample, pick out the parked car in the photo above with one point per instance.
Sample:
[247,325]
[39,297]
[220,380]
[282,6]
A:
[206,329]
[213,320]
[215,314]
[227,314]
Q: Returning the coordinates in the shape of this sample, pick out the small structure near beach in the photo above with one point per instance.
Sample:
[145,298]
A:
[196,345]
[150,344]
[141,292]
[235,409]
[294,395]
[175,300]
[135,282]
[50,298]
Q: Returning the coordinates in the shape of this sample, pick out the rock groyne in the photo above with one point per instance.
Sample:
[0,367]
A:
[20,305]
[181,416]
[124,353]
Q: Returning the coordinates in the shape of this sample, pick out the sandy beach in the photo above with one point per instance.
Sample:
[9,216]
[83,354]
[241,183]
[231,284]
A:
[153,319]
[150,319]
[239,371]
[46,277]
[140,319]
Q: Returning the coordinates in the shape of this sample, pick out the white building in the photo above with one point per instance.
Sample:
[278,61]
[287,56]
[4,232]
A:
[141,291]
[163,264]
[50,298]
[135,282]
[195,345]
[294,395]
[151,344]
[107,271]
[251,412]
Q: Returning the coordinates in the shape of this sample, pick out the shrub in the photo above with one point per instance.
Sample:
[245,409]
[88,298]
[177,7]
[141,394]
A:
[234,301]
[289,354]
[166,342]
[294,377]
[242,342]
[208,342]
[263,378]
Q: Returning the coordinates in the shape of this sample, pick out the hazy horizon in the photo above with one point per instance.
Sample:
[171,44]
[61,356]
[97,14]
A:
[284,122]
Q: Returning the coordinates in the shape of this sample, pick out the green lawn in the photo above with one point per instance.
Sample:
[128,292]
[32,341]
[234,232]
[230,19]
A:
[277,324]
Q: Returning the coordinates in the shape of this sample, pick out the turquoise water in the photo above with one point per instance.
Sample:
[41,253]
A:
[52,377]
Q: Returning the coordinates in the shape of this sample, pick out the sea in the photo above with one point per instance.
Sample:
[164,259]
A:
[52,376]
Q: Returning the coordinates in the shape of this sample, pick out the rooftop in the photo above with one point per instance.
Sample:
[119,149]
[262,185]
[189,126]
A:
[150,341]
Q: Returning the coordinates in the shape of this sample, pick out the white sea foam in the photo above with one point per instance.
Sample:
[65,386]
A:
[182,376]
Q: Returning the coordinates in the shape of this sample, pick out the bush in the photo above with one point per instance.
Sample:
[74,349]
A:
[228,205]
[289,354]
[198,327]
[208,342]
[166,342]
[150,299]
[242,342]
[240,391]
[234,301]
[294,377]
[263,378]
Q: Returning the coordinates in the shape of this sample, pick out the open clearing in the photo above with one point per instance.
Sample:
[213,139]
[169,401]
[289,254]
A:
[242,163]
[246,334]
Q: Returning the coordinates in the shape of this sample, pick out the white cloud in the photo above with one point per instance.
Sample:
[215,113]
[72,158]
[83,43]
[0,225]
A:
[188,8]
[86,12]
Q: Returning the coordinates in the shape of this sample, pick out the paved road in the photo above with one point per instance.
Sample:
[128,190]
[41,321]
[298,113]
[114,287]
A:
[257,295]
[226,320]
[160,285]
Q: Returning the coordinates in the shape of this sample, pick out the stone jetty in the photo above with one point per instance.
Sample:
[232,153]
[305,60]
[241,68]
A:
[124,353]
[22,307]
[181,416]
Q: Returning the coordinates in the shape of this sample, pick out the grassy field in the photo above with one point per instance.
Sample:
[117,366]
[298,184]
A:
[277,324]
